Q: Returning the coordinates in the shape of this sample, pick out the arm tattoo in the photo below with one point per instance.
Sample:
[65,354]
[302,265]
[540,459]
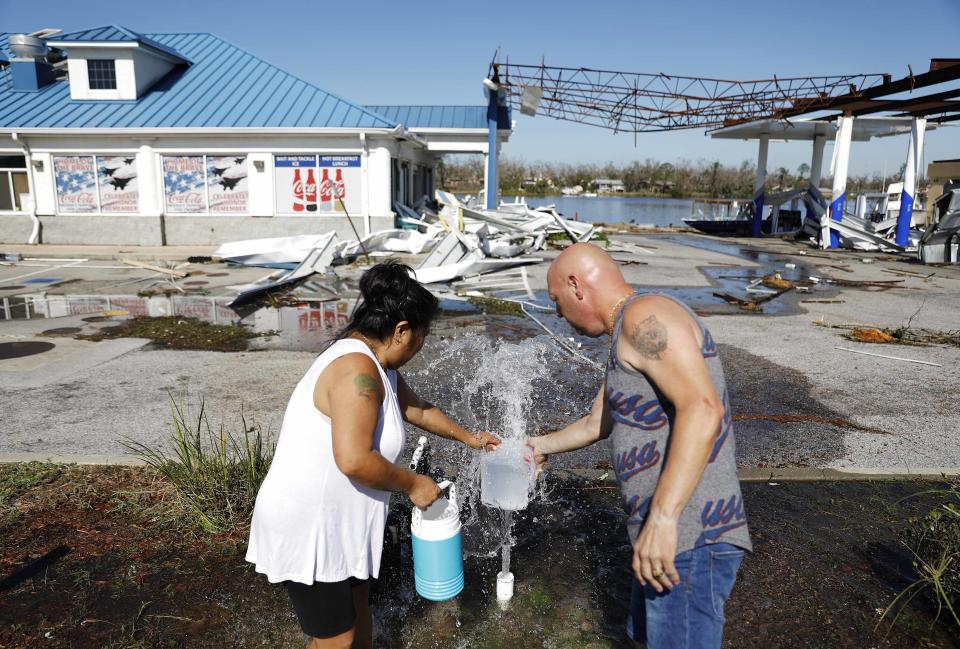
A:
[366,386]
[649,338]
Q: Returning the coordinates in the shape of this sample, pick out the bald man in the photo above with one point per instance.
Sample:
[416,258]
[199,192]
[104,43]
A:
[664,406]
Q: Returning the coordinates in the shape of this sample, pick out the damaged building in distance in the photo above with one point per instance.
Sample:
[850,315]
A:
[109,136]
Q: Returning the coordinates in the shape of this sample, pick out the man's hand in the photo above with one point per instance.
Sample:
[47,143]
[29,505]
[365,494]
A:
[483,440]
[423,491]
[534,453]
[653,553]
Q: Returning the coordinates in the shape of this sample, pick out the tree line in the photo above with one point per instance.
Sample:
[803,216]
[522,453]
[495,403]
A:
[649,177]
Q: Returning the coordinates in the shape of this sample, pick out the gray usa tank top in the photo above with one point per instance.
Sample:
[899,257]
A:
[642,422]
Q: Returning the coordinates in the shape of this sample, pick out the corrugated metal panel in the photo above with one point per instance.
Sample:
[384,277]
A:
[225,87]
[113,34]
[435,116]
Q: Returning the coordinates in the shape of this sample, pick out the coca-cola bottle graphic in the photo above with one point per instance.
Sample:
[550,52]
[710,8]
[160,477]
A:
[311,191]
[326,188]
[339,190]
[297,191]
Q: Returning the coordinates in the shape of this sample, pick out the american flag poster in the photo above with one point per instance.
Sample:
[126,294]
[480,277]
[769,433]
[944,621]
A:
[183,184]
[76,180]
[227,184]
[118,183]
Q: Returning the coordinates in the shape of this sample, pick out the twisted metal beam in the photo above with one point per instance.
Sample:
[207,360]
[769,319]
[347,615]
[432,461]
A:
[642,102]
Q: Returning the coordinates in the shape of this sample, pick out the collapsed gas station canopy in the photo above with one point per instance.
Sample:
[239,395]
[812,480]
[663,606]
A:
[864,129]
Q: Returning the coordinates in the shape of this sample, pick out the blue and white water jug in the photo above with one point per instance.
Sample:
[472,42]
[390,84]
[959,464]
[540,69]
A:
[437,548]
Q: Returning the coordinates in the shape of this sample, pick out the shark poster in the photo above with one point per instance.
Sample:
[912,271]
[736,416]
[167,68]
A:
[76,179]
[183,185]
[227,184]
[118,183]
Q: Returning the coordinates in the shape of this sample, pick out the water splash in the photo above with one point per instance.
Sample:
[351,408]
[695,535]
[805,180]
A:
[496,386]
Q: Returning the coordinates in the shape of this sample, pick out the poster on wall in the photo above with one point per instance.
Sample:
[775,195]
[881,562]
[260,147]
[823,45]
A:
[295,184]
[118,183]
[76,180]
[227,184]
[340,181]
[183,185]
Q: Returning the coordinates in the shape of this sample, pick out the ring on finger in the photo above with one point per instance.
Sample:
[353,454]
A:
[657,572]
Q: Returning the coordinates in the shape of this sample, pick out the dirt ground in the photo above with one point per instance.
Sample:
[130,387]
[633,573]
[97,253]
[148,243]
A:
[85,562]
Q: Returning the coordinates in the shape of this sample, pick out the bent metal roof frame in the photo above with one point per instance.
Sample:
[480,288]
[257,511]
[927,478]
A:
[645,102]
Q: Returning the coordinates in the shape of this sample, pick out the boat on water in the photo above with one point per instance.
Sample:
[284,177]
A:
[725,216]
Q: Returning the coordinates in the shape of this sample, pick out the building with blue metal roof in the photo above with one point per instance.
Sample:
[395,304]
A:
[108,135]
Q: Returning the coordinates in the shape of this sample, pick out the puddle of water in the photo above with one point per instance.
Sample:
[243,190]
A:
[21,348]
[43,280]
[61,331]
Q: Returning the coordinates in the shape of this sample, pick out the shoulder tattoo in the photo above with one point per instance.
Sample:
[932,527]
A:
[366,386]
[649,338]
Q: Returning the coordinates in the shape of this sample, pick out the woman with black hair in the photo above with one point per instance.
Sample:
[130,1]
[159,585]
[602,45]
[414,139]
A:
[319,518]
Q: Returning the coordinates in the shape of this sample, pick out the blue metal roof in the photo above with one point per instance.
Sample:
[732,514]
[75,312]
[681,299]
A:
[435,116]
[113,34]
[225,87]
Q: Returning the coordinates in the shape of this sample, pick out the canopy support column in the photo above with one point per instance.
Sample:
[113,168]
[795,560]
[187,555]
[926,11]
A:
[758,183]
[492,187]
[841,157]
[910,172]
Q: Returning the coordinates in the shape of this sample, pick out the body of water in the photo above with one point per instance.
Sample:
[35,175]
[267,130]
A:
[617,209]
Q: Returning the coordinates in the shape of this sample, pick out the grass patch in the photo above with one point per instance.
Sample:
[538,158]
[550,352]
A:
[181,333]
[934,541]
[22,477]
[496,306]
[215,474]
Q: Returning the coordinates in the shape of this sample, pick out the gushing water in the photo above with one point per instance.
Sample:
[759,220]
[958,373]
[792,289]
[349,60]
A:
[493,386]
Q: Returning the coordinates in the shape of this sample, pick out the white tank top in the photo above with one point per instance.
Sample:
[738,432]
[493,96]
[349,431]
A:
[311,522]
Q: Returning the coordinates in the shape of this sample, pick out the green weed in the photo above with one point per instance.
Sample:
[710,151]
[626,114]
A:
[215,474]
[934,541]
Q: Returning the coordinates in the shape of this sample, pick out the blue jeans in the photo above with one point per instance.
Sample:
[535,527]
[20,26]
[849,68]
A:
[690,615]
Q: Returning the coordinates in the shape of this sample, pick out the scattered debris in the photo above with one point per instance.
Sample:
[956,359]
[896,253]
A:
[157,269]
[820,301]
[895,358]
[177,332]
[914,336]
[811,419]
[276,252]
[746,305]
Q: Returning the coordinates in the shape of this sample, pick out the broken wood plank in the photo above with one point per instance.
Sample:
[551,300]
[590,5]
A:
[157,269]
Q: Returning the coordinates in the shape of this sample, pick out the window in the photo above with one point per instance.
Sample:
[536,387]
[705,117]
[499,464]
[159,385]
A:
[14,189]
[102,74]
[308,184]
[206,184]
[96,184]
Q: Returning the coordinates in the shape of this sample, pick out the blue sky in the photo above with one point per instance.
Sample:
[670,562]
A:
[438,52]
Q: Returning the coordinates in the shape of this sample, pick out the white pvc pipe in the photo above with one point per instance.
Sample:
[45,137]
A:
[31,186]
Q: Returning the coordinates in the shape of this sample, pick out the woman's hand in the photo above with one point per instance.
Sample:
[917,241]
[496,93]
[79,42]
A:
[423,491]
[483,440]
[534,453]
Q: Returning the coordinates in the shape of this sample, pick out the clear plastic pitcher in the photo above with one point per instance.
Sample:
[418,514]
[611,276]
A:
[505,478]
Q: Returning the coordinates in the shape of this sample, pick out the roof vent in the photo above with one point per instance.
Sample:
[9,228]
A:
[25,46]
[29,67]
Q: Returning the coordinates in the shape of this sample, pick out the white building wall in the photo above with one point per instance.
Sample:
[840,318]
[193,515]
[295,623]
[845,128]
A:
[151,226]
[378,175]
